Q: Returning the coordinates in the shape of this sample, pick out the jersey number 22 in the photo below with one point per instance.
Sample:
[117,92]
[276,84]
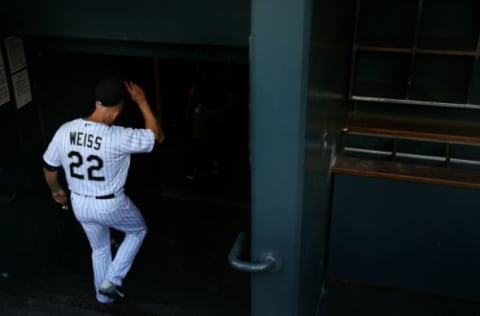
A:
[95,165]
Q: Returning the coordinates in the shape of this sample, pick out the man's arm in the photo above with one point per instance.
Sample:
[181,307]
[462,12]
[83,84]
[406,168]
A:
[138,96]
[58,194]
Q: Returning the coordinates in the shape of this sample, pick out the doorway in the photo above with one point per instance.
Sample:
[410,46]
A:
[193,190]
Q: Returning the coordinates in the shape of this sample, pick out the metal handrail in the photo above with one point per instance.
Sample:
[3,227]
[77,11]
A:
[408,155]
[269,261]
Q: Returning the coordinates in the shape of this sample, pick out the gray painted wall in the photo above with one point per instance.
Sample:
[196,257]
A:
[212,22]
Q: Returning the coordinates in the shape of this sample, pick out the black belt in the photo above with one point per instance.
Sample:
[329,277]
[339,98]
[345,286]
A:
[100,197]
[105,197]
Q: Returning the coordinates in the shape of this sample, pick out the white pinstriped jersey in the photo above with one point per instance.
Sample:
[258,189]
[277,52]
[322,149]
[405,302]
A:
[96,156]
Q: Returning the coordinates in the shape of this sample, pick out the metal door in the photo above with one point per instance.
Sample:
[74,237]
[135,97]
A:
[278,94]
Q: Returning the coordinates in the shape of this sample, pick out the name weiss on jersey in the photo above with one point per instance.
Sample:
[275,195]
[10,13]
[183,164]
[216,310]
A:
[85,140]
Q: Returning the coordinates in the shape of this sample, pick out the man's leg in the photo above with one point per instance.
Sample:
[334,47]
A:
[99,238]
[131,222]
[125,256]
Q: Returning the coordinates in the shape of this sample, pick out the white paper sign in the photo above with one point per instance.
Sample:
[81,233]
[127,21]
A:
[4,92]
[15,54]
[21,87]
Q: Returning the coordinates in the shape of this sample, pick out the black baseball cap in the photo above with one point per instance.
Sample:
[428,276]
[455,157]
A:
[110,91]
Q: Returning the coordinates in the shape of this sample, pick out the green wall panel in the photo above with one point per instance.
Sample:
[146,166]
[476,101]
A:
[407,235]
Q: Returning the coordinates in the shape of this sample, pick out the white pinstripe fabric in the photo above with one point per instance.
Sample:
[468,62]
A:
[96,158]
[119,213]
[80,154]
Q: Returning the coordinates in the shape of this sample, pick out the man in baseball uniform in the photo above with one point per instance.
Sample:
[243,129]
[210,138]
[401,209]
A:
[95,155]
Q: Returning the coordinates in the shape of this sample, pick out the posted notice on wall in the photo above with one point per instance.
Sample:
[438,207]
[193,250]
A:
[4,92]
[21,88]
[15,54]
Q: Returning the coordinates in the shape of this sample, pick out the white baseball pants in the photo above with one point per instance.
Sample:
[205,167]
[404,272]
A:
[97,216]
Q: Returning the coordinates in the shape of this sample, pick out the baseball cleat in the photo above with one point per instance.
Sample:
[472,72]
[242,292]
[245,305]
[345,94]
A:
[111,290]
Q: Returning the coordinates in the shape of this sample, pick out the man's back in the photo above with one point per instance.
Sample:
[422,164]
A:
[96,156]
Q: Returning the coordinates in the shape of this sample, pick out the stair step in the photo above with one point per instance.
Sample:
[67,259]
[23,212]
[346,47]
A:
[9,310]
[32,305]
[71,297]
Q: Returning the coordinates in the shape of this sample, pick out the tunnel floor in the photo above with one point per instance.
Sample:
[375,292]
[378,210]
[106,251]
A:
[181,269]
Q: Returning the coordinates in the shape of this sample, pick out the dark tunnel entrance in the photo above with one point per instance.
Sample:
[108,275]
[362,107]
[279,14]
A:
[193,190]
